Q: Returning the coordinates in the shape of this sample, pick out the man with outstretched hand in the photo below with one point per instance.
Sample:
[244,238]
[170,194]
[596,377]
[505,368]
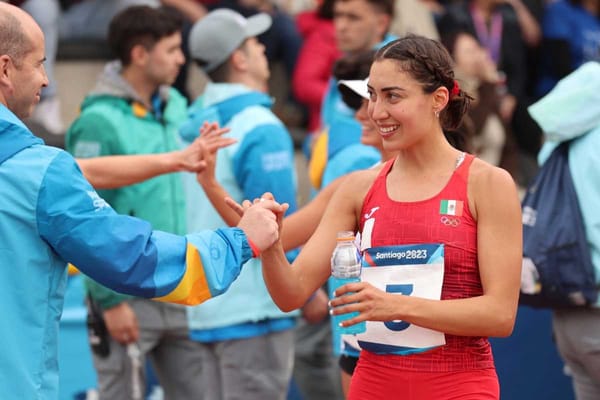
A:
[50,215]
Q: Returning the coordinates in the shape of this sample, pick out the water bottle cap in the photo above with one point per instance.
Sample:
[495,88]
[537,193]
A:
[345,236]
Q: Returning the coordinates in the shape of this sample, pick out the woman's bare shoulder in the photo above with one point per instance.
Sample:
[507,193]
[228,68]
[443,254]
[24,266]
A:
[483,174]
[491,186]
[360,179]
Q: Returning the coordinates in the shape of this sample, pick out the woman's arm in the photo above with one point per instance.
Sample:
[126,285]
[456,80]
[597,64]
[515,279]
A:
[297,228]
[215,193]
[496,207]
[291,286]
[530,28]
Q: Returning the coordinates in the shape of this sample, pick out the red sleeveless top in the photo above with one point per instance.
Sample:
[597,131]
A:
[444,218]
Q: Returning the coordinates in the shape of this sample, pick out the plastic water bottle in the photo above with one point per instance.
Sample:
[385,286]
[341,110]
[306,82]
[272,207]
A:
[345,268]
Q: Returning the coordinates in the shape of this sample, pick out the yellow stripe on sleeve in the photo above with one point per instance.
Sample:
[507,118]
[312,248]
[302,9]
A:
[72,270]
[318,160]
[193,287]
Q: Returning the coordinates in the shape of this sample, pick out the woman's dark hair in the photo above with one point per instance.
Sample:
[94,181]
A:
[351,67]
[141,25]
[429,63]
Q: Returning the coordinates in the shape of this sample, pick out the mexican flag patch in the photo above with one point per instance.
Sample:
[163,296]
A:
[451,207]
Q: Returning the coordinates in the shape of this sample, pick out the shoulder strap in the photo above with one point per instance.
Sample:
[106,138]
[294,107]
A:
[383,173]
[386,169]
[462,169]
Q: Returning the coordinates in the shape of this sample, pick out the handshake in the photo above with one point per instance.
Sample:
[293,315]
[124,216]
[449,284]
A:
[261,220]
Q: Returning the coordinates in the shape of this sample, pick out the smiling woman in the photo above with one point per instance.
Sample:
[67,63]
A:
[430,199]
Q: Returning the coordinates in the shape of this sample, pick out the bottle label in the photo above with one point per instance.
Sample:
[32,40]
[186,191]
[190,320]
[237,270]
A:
[413,270]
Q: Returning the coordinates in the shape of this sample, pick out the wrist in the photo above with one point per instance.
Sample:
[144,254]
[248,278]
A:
[274,250]
[171,162]
[254,248]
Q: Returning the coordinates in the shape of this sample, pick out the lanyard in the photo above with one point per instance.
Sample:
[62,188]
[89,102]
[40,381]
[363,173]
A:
[489,38]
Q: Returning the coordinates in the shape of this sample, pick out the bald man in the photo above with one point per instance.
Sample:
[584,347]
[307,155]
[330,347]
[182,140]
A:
[50,215]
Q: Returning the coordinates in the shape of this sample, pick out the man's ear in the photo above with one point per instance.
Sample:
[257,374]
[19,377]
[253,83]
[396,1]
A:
[383,25]
[139,55]
[6,67]
[239,61]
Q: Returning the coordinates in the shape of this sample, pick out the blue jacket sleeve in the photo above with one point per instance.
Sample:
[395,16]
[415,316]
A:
[264,163]
[124,253]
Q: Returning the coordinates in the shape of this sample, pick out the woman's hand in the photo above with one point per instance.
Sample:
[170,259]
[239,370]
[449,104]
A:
[278,211]
[371,303]
[209,142]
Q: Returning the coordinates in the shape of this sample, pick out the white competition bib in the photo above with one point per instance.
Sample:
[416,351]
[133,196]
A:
[411,270]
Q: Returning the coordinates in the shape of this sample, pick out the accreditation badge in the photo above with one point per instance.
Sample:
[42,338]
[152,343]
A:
[410,270]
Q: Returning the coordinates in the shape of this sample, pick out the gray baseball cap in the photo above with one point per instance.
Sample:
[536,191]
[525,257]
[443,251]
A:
[214,37]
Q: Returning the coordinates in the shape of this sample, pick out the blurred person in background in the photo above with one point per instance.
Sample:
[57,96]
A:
[571,37]
[571,112]
[505,29]
[477,73]
[245,343]
[360,26]
[315,61]
[83,20]
[133,110]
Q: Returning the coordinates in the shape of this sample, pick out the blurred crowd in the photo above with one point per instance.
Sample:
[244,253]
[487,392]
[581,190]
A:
[508,53]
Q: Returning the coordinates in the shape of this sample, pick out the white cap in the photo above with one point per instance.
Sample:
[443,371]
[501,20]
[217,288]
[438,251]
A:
[358,86]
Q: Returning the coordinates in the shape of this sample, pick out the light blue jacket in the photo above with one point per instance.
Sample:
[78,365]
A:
[572,111]
[115,120]
[50,215]
[346,153]
[260,161]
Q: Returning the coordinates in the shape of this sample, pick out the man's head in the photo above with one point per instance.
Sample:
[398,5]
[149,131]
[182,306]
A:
[22,74]
[149,40]
[361,24]
[224,45]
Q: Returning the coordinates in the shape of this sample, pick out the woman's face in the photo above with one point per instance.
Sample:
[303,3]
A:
[468,53]
[369,133]
[471,58]
[403,114]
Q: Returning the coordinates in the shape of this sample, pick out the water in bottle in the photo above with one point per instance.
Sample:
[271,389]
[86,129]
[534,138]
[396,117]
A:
[345,268]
